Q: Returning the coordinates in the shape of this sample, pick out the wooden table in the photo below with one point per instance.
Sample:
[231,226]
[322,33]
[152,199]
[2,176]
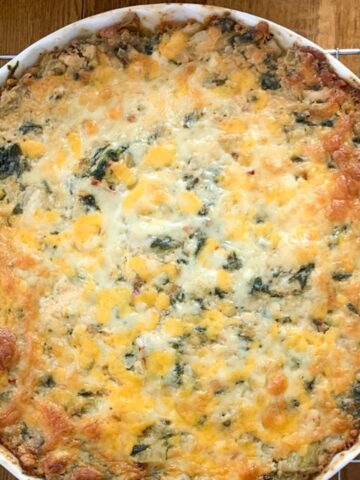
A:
[330,23]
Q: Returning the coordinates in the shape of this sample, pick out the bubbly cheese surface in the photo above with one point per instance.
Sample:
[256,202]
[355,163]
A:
[179,258]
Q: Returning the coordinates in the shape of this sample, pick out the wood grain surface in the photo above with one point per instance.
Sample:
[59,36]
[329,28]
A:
[330,23]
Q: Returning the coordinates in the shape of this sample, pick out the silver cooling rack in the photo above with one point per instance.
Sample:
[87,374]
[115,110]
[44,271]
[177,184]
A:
[337,52]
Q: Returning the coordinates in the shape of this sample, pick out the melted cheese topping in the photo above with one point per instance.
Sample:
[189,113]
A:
[173,235]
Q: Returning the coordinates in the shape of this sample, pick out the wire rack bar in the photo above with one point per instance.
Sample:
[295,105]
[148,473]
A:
[333,51]
[337,52]
[344,51]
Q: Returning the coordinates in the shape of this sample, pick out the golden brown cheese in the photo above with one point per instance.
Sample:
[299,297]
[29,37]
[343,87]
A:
[179,267]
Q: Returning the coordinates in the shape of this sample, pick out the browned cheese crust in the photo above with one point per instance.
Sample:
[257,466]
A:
[179,257]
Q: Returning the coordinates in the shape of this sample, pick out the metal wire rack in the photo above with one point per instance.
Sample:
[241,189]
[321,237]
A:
[337,52]
[341,476]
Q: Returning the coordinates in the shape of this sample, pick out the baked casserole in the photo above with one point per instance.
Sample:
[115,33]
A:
[179,257]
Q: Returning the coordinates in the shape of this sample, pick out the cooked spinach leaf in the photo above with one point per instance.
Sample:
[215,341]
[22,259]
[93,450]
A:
[101,160]
[191,118]
[242,38]
[17,210]
[47,381]
[232,262]
[164,243]
[302,275]
[297,159]
[10,161]
[301,117]
[85,393]
[327,123]
[259,286]
[353,309]
[89,202]
[309,385]
[30,127]
[339,276]
[140,447]
[190,181]
[270,82]
[225,23]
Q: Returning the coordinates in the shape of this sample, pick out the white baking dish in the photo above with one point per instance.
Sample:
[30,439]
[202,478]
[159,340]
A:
[151,15]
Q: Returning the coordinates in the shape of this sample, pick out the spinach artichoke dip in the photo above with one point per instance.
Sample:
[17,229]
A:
[179,257]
